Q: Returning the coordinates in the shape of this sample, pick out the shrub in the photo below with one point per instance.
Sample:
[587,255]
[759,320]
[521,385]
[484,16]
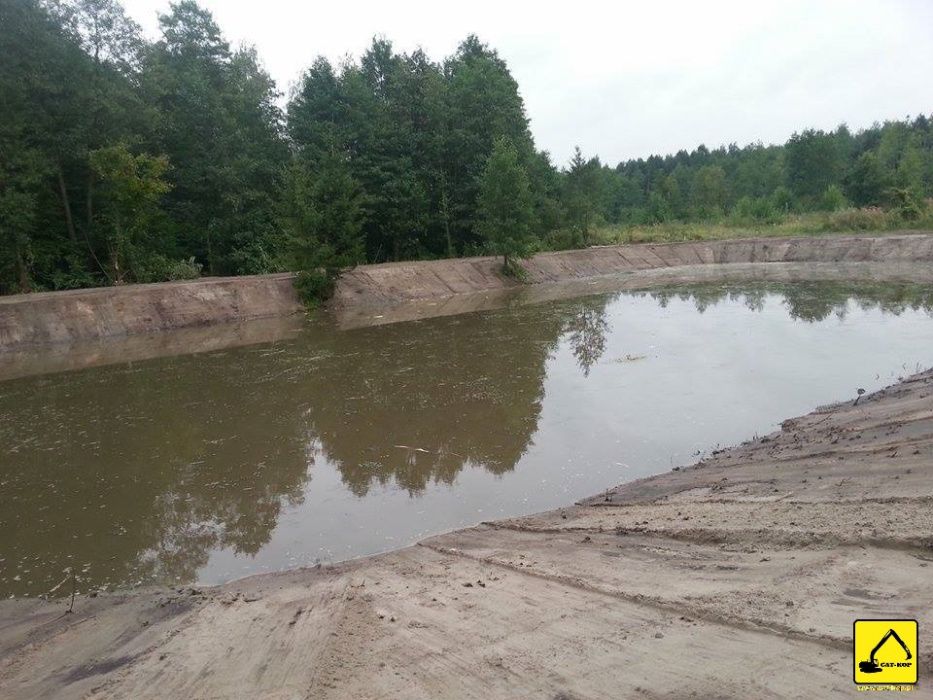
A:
[906,203]
[782,200]
[188,269]
[315,286]
[833,199]
[658,210]
[758,210]
[864,219]
[561,239]
[159,268]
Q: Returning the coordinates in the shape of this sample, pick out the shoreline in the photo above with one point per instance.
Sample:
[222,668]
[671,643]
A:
[757,558]
[50,359]
[49,321]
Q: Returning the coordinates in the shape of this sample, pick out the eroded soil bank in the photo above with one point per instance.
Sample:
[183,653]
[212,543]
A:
[39,321]
[737,577]
[393,283]
[36,321]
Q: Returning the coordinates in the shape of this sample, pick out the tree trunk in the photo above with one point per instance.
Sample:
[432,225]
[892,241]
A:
[114,247]
[22,273]
[89,227]
[210,253]
[63,192]
[450,243]
[115,264]
[90,202]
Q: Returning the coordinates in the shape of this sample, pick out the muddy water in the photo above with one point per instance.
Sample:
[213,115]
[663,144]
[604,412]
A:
[335,444]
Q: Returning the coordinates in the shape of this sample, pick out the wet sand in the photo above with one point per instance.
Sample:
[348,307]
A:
[737,577]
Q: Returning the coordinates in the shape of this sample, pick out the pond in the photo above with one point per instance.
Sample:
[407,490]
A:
[335,444]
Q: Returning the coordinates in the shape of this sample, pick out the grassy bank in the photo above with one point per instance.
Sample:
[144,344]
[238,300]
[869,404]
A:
[809,224]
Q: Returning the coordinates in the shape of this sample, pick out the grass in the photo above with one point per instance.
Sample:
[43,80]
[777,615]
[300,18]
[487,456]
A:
[871,219]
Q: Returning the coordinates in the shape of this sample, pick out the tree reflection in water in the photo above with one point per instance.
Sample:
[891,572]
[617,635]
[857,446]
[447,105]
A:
[437,396]
[587,330]
[806,301]
[141,471]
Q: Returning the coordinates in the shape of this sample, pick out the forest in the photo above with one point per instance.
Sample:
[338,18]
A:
[127,160]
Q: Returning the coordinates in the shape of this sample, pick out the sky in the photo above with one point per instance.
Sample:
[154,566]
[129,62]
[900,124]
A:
[628,79]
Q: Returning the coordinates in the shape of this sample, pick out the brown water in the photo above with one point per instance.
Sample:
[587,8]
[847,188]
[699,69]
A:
[336,444]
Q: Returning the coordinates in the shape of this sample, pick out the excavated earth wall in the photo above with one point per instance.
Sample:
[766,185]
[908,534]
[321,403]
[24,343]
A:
[43,319]
[390,283]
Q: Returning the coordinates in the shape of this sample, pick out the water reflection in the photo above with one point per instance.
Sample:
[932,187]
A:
[145,469]
[423,400]
[142,470]
[587,330]
[808,301]
[145,472]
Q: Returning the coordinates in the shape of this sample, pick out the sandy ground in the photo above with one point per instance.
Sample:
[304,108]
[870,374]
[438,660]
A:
[739,577]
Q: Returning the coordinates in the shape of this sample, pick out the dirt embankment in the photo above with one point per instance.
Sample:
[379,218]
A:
[738,577]
[49,318]
[393,283]
[39,320]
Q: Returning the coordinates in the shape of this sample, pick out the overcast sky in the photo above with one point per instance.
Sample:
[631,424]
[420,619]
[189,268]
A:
[628,79]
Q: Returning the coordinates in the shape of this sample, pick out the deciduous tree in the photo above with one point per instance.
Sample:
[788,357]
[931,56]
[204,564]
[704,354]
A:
[505,213]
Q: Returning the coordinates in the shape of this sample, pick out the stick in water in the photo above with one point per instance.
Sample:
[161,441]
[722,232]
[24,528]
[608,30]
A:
[74,585]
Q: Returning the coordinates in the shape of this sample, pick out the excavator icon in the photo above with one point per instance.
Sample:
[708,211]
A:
[871,666]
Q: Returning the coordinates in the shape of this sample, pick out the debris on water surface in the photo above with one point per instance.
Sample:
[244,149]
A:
[631,358]
[415,449]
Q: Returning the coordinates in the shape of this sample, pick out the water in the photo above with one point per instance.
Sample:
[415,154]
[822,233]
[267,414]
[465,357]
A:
[336,444]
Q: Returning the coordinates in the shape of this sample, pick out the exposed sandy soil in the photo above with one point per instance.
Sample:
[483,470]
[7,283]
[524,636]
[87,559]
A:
[60,357]
[38,322]
[738,577]
[362,314]
[390,284]
[34,322]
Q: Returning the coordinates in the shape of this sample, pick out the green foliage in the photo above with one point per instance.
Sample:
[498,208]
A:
[867,181]
[128,160]
[813,165]
[315,286]
[482,104]
[221,130]
[158,268]
[792,224]
[782,200]
[658,210]
[580,196]
[708,193]
[321,214]
[128,189]
[20,174]
[759,210]
[906,203]
[417,136]
[864,219]
[505,212]
[833,199]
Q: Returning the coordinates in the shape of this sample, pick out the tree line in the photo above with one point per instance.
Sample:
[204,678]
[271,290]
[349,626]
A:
[888,165]
[127,160]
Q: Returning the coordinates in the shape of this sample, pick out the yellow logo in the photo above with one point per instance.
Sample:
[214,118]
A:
[885,652]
